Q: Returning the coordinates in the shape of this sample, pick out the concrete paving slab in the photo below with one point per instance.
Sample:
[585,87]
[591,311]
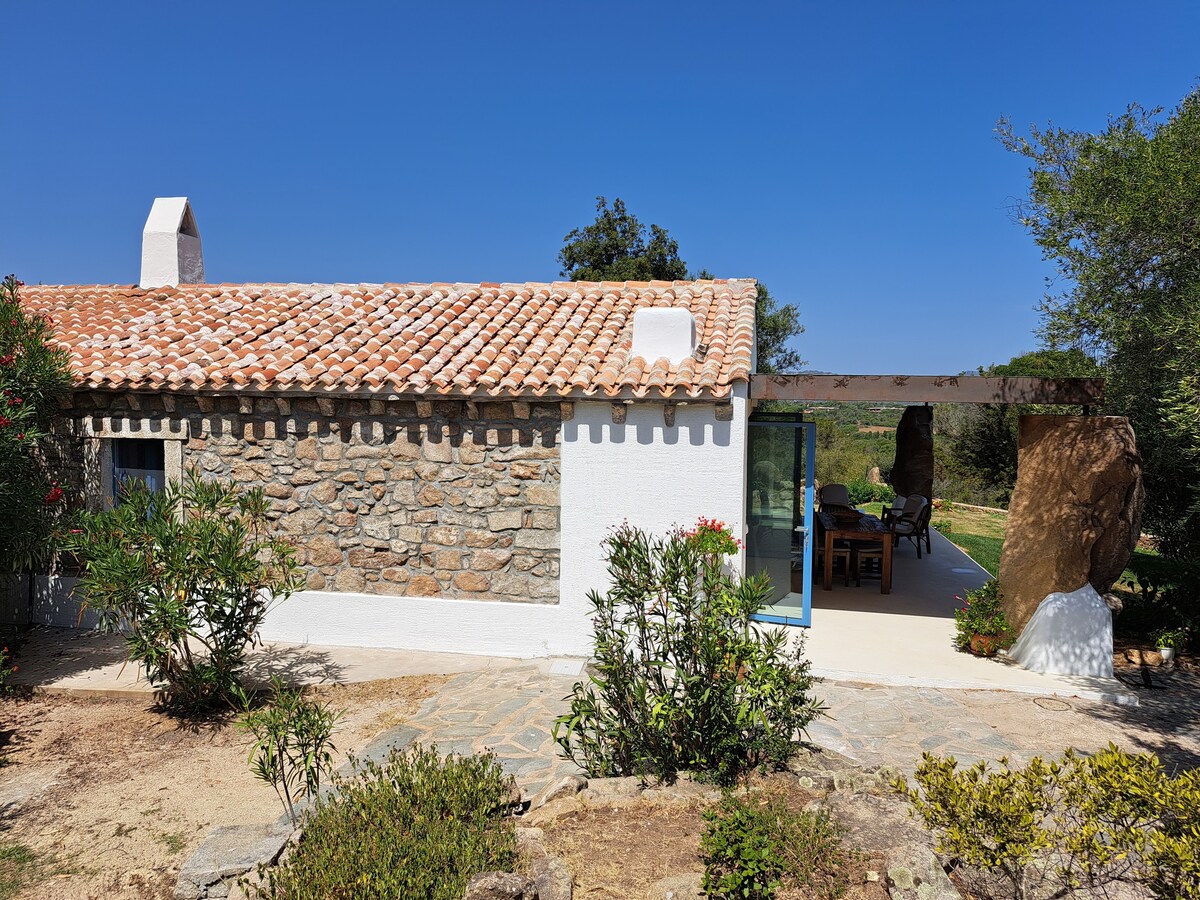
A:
[88,663]
[907,637]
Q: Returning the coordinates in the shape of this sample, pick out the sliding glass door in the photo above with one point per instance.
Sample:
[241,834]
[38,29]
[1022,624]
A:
[779,513]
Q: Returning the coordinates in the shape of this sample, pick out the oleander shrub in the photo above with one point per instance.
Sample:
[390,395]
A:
[293,746]
[753,845]
[683,678]
[34,375]
[413,825]
[187,574]
[1054,828]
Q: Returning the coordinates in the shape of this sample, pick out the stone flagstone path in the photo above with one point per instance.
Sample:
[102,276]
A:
[511,712]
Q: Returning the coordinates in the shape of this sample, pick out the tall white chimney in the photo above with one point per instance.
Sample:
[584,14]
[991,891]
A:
[171,252]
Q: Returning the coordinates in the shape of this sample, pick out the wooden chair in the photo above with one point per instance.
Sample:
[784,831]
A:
[842,553]
[913,523]
[868,560]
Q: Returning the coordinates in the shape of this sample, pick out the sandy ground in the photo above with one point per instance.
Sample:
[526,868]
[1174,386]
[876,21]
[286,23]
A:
[112,796]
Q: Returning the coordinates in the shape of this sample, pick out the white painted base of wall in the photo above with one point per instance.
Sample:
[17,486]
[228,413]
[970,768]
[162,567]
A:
[55,603]
[489,628]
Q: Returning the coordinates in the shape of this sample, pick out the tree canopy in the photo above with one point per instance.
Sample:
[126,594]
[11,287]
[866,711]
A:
[1118,212]
[618,247]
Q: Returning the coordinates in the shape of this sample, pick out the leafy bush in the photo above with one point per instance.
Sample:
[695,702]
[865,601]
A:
[292,749]
[1175,638]
[416,825]
[189,573]
[1077,822]
[863,491]
[754,845]
[981,613]
[1164,594]
[34,374]
[6,670]
[943,526]
[682,677]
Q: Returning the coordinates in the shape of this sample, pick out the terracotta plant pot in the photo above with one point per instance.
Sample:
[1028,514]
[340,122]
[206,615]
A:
[985,644]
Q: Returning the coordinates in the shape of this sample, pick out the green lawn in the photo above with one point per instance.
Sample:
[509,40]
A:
[979,534]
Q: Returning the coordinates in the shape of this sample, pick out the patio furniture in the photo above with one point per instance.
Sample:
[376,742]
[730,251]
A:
[834,495]
[913,523]
[892,512]
[850,527]
[867,561]
[841,553]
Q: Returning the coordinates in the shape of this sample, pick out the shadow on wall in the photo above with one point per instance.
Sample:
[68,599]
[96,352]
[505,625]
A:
[647,432]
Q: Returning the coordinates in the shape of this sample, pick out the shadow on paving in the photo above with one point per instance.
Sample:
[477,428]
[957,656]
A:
[294,665]
[1167,719]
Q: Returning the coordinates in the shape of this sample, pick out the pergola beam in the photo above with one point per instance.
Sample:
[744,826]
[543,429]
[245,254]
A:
[929,389]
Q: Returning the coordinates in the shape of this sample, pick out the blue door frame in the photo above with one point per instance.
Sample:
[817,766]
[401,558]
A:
[781,611]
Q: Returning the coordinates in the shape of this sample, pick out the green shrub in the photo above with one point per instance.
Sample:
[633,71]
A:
[1175,638]
[753,845]
[862,491]
[981,613]
[292,749]
[416,825]
[944,526]
[1079,822]
[189,574]
[683,679]
[6,670]
[34,374]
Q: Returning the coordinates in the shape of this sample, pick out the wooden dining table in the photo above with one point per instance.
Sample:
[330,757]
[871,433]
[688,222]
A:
[866,528]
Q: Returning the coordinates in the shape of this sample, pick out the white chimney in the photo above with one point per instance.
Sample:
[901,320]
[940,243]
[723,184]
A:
[171,252]
[663,331]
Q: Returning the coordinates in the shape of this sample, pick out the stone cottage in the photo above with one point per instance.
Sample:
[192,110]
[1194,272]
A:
[447,457]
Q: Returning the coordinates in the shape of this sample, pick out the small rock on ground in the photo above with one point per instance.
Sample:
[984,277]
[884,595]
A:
[553,880]
[678,887]
[501,886]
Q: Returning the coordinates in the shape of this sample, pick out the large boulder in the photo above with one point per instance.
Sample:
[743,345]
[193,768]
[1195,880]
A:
[1076,510]
[912,472]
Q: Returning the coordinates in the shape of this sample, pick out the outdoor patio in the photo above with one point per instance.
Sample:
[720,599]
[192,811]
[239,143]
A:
[906,637]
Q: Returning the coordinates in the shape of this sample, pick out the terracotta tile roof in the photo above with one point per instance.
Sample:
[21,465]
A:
[560,339]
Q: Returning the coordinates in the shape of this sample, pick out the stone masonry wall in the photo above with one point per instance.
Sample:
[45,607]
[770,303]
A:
[434,498]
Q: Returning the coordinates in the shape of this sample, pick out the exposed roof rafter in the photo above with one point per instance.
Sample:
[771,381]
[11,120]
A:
[929,389]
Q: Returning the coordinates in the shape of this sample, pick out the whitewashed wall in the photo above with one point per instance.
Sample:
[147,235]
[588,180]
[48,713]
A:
[642,471]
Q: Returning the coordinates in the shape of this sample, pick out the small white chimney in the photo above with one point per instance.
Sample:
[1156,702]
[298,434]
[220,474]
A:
[663,331]
[171,252]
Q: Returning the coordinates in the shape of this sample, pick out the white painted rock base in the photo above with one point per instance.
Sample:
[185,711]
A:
[1069,634]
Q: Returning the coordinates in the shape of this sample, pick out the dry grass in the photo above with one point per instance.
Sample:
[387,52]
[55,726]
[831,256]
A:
[617,853]
[108,797]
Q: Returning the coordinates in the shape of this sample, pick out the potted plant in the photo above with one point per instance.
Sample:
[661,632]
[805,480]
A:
[1170,641]
[982,628]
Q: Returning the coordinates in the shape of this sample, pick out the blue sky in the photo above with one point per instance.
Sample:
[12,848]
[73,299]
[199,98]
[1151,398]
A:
[841,153]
